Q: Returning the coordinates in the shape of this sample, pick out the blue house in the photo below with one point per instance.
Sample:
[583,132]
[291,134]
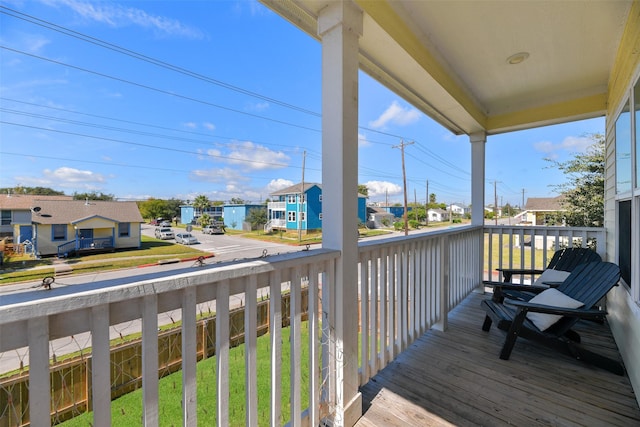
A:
[235,216]
[189,213]
[296,208]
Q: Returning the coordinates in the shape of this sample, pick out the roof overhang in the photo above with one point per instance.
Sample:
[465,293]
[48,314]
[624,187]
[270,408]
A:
[450,59]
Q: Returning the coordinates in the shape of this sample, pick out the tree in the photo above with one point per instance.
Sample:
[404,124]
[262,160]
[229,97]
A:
[201,203]
[173,205]
[237,201]
[363,189]
[584,190]
[508,210]
[94,196]
[257,217]
[154,208]
[36,191]
[205,220]
[417,214]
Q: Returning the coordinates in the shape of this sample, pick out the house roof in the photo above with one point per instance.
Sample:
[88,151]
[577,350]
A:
[457,61]
[544,204]
[26,201]
[72,211]
[295,189]
[378,211]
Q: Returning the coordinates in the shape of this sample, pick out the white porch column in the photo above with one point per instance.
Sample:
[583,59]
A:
[478,141]
[340,26]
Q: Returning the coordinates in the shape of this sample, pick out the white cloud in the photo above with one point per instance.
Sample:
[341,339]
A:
[382,188]
[259,107]
[220,175]
[397,115]
[73,176]
[34,43]
[278,184]
[570,143]
[209,126]
[190,125]
[118,16]
[362,140]
[256,157]
[65,177]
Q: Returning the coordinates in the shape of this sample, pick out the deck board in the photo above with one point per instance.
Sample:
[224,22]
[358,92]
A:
[456,378]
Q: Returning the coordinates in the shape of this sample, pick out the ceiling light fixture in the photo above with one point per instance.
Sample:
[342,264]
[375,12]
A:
[517,58]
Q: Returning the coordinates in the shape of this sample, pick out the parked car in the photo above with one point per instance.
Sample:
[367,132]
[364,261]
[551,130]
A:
[186,238]
[165,224]
[213,229]
[164,233]
[157,221]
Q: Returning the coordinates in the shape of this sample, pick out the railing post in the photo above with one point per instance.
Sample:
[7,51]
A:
[39,377]
[444,284]
[100,366]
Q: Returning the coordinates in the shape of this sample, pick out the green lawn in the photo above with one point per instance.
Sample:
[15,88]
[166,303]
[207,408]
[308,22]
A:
[16,267]
[127,410]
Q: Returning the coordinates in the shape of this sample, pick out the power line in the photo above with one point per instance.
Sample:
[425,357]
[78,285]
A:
[145,58]
[142,124]
[162,91]
[119,49]
[235,159]
[128,131]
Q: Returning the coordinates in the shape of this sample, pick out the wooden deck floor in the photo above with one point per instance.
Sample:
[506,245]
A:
[456,378]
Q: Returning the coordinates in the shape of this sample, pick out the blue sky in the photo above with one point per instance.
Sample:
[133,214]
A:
[176,99]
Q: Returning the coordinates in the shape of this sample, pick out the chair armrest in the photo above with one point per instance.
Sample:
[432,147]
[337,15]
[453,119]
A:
[502,289]
[515,286]
[507,273]
[570,312]
[520,270]
[552,284]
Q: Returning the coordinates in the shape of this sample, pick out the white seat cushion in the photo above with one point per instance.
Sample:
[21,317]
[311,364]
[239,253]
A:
[551,276]
[554,298]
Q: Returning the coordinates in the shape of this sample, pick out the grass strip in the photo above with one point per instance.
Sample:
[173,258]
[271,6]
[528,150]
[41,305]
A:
[127,410]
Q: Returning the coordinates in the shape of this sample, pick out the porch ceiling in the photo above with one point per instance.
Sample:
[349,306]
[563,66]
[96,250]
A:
[449,58]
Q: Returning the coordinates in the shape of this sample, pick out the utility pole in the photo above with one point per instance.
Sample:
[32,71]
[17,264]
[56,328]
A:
[426,206]
[495,202]
[522,205]
[404,183]
[300,206]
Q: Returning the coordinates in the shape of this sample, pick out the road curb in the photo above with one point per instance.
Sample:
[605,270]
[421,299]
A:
[175,261]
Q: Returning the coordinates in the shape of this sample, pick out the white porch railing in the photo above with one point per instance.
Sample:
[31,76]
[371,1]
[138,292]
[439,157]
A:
[406,286]
[275,223]
[34,320]
[277,206]
[533,246]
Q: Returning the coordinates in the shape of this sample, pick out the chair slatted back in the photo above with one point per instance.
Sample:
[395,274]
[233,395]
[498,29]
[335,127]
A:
[587,283]
[569,258]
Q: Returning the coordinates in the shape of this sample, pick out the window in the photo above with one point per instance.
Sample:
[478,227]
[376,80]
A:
[291,198]
[303,198]
[320,216]
[123,229]
[623,151]
[624,240]
[59,232]
[303,217]
[291,216]
[320,197]
[5,218]
[636,101]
